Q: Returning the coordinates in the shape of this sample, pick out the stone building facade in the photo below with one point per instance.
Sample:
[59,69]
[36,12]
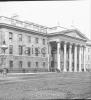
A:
[33,47]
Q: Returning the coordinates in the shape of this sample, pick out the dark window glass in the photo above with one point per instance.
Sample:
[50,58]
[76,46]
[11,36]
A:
[36,64]
[29,64]
[44,64]
[28,51]
[36,40]
[11,64]
[29,39]
[20,37]
[20,50]
[10,35]
[43,41]
[10,49]
[36,51]
[20,64]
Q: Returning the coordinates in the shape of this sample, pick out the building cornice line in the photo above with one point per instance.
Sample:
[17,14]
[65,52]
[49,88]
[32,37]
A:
[22,29]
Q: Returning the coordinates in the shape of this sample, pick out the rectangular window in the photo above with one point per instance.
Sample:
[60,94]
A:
[28,51]
[20,50]
[43,41]
[29,39]
[20,37]
[20,64]
[44,64]
[11,64]
[36,40]
[36,64]
[36,51]
[10,35]
[10,49]
[29,64]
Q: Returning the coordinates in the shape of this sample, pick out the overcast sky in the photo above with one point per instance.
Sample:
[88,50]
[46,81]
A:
[52,13]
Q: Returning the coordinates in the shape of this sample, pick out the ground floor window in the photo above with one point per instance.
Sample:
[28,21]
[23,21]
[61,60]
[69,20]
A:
[43,64]
[11,64]
[37,64]
[29,64]
[20,64]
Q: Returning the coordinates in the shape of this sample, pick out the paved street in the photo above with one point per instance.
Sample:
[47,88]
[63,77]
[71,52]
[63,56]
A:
[45,86]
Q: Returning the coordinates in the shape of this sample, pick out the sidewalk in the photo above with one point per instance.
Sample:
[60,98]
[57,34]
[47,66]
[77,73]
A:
[10,76]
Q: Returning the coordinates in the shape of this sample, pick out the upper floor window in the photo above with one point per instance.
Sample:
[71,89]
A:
[20,50]
[36,51]
[10,49]
[36,40]
[43,51]
[29,39]
[28,52]
[20,37]
[43,41]
[10,35]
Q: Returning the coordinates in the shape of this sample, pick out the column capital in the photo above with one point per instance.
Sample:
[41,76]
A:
[65,42]
[80,45]
[70,45]
[58,42]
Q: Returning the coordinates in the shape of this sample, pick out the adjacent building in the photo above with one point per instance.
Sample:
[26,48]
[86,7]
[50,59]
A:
[33,47]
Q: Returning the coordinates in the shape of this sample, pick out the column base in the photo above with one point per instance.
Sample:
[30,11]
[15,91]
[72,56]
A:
[80,71]
[84,70]
[64,70]
[70,71]
[75,70]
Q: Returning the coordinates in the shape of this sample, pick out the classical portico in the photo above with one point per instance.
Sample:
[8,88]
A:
[67,56]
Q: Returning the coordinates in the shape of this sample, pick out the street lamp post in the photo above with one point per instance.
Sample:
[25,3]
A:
[3,48]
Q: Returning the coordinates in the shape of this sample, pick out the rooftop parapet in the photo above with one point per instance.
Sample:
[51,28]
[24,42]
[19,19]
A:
[23,24]
[32,26]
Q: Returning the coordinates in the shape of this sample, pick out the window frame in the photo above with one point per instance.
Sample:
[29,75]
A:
[29,39]
[10,36]
[20,37]
[11,64]
[20,47]
[10,49]
[29,64]
[20,64]
[43,41]
[37,64]
[36,40]
[44,64]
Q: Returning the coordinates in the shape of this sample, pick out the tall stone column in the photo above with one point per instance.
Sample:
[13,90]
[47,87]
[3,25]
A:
[58,55]
[80,59]
[49,56]
[84,60]
[82,56]
[70,57]
[75,58]
[65,58]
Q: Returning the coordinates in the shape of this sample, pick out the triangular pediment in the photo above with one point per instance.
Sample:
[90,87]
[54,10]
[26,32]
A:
[76,34]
